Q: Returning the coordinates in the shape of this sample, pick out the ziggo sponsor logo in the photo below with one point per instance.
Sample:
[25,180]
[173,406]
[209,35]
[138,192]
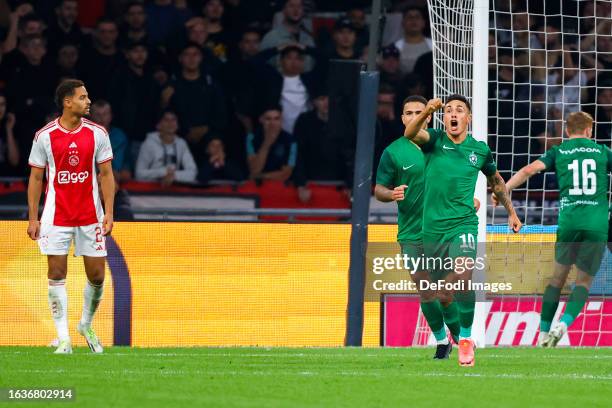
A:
[66,177]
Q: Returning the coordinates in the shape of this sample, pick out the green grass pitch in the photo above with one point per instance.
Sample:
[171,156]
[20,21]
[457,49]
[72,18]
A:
[314,377]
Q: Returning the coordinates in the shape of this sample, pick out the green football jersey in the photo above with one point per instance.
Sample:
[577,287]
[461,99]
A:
[582,167]
[402,162]
[450,180]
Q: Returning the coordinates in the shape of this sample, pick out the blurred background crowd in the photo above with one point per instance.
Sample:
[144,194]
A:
[198,90]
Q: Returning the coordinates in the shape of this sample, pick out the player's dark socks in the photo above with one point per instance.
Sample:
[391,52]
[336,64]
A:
[550,302]
[466,302]
[451,318]
[443,351]
[575,303]
[433,314]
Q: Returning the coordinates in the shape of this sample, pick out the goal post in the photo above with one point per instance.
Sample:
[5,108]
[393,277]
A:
[525,65]
[460,32]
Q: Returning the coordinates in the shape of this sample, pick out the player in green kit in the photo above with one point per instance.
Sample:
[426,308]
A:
[582,168]
[400,178]
[450,224]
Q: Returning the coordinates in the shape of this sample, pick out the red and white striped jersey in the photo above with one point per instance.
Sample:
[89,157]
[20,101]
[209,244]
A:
[70,158]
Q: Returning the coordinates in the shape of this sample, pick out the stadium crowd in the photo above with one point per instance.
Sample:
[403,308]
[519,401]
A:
[191,91]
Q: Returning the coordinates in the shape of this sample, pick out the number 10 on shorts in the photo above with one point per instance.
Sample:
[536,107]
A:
[467,241]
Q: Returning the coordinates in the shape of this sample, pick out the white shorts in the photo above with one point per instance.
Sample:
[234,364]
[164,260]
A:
[88,240]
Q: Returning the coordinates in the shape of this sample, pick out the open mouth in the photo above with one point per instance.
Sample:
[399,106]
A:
[454,123]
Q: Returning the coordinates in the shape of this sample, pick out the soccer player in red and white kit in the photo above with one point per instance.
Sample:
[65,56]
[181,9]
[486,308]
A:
[68,150]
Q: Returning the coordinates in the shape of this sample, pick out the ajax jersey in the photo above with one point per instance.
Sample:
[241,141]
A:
[70,158]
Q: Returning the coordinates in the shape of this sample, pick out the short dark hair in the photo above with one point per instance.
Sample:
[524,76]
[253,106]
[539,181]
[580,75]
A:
[457,97]
[23,21]
[413,8]
[64,89]
[131,4]
[105,20]
[164,112]
[191,44]
[271,107]
[414,98]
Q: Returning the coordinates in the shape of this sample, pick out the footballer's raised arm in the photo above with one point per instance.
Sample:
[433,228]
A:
[414,128]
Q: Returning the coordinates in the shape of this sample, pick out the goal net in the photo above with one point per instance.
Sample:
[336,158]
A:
[545,60]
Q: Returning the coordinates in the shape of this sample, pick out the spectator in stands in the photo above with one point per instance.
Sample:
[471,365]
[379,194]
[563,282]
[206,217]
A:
[390,71]
[289,88]
[19,25]
[164,156]
[100,63]
[566,85]
[291,30]
[424,68]
[102,114]
[318,155]
[198,101]
[388,127]
[29,23]
[64,28]
[414,44]
[344,38]
[134,28]
[67,59]
[33,81]
[219,39]
[10,159]
[240,75]
[271,152]
[164,19]
[217,166]
[412,84]
[357,16]
[197,33]
[134,94]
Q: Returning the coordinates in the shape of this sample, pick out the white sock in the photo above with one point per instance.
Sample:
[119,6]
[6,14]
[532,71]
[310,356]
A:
[91,299]
[443,341]
[58,303]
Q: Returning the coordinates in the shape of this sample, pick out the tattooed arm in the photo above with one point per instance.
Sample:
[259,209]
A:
[500,191]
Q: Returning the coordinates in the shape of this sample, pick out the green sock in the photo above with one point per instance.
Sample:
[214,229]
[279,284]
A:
[466,302]
[575,303]
[433,313]
[451,318]
[550,302]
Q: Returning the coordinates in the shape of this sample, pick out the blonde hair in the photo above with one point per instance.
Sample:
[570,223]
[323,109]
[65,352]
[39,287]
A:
[578,122]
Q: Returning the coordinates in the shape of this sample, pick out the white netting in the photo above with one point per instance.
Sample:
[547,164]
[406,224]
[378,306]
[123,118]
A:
[546,59]
[453,45]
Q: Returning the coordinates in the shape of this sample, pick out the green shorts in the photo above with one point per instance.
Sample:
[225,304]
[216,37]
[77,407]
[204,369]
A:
[413,249]
[442,249]
[585,249]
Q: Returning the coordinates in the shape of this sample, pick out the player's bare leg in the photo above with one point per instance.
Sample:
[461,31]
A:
[432,310]
[575,303]
[550,301]
[58,300]
[94,268]
[466,303]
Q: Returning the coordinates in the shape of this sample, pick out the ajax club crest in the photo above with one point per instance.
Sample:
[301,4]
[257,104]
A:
[473,158]
[73,159]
